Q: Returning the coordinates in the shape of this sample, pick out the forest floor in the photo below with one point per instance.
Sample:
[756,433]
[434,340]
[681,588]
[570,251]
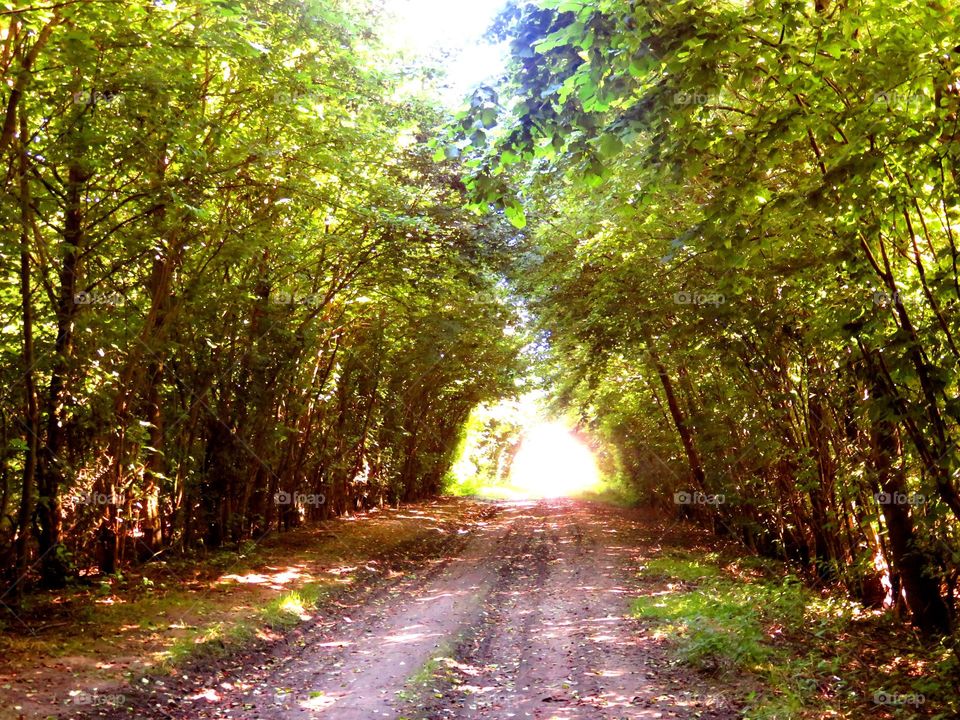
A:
[553,609]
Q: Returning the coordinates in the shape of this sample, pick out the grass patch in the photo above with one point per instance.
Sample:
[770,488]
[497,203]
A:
[291,608]
[479,487]
[423,681]
[603,491]
[805,651]
[683,567]
[612,490]
[221,638]
[199,644]
[712,634]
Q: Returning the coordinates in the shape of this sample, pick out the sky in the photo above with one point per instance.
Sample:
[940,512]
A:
[427,28]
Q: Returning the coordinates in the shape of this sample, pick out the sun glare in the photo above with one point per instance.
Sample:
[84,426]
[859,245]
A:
[552,462]
[430,28]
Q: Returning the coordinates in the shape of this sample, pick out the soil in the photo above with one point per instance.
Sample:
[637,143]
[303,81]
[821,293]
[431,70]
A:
[525,615]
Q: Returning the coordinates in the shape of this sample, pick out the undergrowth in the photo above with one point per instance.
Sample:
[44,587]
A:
[809,654]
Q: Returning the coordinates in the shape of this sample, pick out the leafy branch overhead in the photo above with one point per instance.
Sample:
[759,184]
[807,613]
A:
[743,255]
[240,275]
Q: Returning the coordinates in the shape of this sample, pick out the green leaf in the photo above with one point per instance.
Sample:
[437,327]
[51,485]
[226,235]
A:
[516,216]
[488,117]
[610,145]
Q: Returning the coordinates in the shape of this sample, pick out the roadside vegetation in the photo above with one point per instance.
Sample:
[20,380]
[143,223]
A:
[90,640]
[259,278]
[743,269]
[789,652]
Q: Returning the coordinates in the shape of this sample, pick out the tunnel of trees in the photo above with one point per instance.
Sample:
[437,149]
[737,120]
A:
[744,264]
[239,291]
[253,280]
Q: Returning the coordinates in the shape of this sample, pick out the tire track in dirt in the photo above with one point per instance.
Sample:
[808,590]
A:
[531,613]
[558,643]
[357,667]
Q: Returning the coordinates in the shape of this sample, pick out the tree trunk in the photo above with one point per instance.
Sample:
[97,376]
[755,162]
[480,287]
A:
[31,420]
[52,469]
[920,588]
[677,415]
[820,495]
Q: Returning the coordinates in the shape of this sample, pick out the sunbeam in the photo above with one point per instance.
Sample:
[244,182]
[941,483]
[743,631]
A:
[552,462]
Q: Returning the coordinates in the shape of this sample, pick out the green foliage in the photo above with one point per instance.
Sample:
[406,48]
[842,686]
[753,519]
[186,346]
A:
[719,625]
[245,276]
[685,569]
[491,437]
[742,261]
[801,650]
[288,610]
[713,634]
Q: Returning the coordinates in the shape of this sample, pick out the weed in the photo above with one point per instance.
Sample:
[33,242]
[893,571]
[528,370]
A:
[773,630]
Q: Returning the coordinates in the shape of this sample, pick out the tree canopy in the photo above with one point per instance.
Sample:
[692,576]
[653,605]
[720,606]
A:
[253,280]
[241,294]
[743,262]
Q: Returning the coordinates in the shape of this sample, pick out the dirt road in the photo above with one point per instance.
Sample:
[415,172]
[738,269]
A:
[528,619]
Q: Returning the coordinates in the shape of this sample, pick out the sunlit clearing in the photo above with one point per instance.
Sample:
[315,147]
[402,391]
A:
[552,462]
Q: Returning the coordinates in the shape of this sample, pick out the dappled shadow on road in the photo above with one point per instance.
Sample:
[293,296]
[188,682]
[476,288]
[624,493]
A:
[363,559]
[527,617]
[557,642]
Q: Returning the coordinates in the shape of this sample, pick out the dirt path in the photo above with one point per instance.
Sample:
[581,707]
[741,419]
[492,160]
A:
[528,620]
[557,643]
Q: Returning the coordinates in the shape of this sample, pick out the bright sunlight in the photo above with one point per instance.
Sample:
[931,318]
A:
[449,33]
[513,449]
[552,462]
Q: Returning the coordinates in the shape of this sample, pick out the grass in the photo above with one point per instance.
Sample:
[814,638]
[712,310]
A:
[604,490]
[423,680]
[292,608]
[686,568]
[718,626]
[224,637]
[612,490]
[802,650]
[479,487]
[200,644]
[166,614]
